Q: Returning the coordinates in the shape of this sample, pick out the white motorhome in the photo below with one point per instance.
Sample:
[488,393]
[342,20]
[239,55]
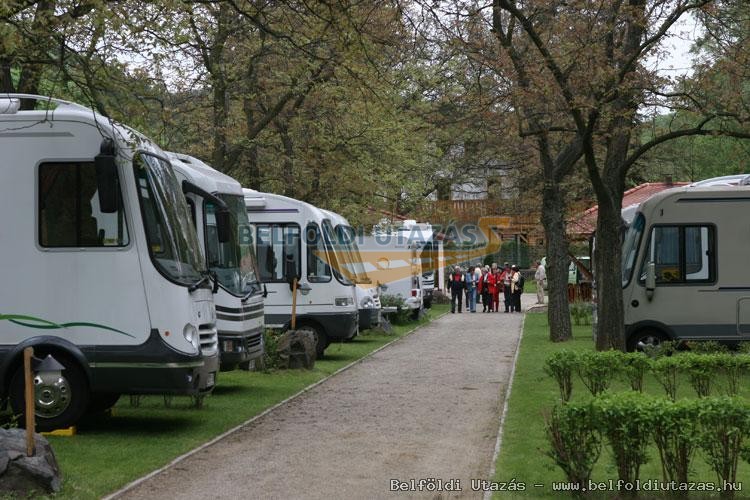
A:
[394,261]
[684,268]
[103,266]
[367,296]
[294,238]
[239,295]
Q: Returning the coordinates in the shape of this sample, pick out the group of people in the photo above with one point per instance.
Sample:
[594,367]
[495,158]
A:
[485,284]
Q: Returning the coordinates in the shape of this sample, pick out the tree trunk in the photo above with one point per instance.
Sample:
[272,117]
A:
[553,220]
[607,258]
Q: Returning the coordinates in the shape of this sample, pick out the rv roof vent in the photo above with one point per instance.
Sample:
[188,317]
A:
[9,106]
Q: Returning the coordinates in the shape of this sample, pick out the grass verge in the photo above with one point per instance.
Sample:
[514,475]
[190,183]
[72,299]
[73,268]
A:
[109,452]
[523,456]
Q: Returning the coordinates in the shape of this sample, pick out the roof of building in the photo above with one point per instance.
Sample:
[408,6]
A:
[584,224]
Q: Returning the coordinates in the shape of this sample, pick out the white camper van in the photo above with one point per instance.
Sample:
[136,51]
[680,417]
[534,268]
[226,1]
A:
[102,265]
[367,296]
[684,267]
[395,261]
[231,258]
[294,238]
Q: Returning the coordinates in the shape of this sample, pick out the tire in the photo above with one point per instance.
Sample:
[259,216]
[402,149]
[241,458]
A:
[428,303]
[648,337]
[321,341]
[101,402]
[64,403]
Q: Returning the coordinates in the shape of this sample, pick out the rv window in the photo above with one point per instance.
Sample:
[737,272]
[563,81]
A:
[681,254]
[69,215]
[318,270]
[274,242]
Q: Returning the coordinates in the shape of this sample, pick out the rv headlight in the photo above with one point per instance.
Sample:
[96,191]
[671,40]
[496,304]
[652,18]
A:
[191,335]
[367,303]
[343,301]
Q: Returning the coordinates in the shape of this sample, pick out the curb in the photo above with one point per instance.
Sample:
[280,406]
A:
[499,441]
[236,428]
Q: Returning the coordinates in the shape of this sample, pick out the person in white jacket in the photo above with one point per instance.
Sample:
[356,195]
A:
[540,276]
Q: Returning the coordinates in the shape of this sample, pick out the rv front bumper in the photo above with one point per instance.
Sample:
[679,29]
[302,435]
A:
[151,368]
[240,348]
[369,318]
[340,326]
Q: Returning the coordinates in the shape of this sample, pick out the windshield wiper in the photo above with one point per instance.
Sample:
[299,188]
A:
[254,290]
[199,283]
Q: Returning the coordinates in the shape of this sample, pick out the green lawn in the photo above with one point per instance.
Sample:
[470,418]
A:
[523,452]
[109,452]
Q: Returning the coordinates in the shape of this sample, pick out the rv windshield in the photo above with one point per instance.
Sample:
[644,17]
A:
[354,266]
[337,254]
[630,247]
[233,262]
[172,241]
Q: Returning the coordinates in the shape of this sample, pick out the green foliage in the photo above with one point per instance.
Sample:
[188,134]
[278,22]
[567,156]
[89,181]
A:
[666,370]
[706,346]
[733,367]
[580,312]
[701,370]
[560,366]
[575,441]
[634,367]
[626,419]
[403,313]
[270,349]
[724,427]
[597,369]
[675,426]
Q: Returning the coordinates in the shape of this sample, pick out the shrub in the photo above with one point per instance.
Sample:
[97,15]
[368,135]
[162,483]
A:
[666,369]
[580,312]
[575,441]
[402,314]
[440,297]
[676,436]
[596,369]
[626,419]
[270,349]
[733,367]
[706,346]
[665,348]
[560,366]
[724,427]
[701,370]
[634,367]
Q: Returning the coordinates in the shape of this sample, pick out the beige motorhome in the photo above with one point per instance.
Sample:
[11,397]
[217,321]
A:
[685,272]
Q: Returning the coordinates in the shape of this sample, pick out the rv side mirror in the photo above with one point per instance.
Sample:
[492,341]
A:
[223,226]
[650,280]
[106,178]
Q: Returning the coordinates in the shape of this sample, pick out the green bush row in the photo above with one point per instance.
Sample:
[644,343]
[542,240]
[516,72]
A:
[629,422]
[705,371]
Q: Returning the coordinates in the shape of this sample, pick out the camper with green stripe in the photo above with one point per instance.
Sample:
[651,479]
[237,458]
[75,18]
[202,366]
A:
[107,271]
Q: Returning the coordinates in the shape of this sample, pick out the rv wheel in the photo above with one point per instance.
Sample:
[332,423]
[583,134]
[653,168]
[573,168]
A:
[638,340]
[60,401]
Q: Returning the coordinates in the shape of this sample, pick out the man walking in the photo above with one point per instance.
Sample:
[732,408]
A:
[457,285]
[540,276]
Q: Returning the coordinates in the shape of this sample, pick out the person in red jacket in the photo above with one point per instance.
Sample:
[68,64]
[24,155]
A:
[492,290]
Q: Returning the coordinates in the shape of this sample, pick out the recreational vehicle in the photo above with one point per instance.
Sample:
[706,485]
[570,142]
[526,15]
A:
[396,262]
[102,265]
[295,240]
[367,296]
[212,195]
[684,268]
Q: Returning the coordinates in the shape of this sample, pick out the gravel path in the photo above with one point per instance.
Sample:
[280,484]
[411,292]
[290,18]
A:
[425,407]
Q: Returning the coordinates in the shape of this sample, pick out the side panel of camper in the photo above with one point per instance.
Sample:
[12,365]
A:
[84,283]
[292,239]
[684,267]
